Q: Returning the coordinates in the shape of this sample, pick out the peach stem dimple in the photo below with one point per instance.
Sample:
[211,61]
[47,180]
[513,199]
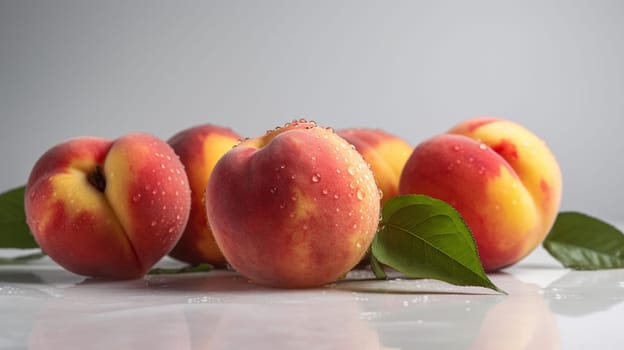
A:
[97,179]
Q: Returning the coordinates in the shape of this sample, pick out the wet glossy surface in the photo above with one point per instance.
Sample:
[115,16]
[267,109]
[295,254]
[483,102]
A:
[548,307]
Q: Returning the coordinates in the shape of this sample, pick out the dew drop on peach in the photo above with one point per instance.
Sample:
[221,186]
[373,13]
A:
[360,194]
[316,177]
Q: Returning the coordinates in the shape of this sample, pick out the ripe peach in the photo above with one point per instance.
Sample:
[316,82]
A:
[105,208]
[386,154]
[297,207]
[199,148]
[501,178]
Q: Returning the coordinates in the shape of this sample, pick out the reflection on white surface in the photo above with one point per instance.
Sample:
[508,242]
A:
[44,307]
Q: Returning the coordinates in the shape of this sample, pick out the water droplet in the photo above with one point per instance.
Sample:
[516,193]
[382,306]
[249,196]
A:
[360,194]
[359,243]
[283,166]
[293,198]
[136,197]
[153,223]
[171,229]
[164,207]
[471,159]
[456,148]
[458,161]
[154,192]
[325,191]
[316,177]
[305,227]
[293,176]
[282,205]
[162,166]
[337,210]
[354,226]
[483,146]
[351,170]
[338,171]
[273,190]
[313,158]
[336,196]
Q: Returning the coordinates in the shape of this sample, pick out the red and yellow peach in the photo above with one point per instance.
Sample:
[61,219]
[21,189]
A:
[199,148]
[297,207]
[105,208]
[500,177]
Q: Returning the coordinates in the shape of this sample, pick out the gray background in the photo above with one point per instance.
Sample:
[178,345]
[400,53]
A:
[413,68]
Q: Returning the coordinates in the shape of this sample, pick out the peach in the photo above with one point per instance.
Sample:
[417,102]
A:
[199,148]
[386,154]
[295,208]
[108,208]
[500,177]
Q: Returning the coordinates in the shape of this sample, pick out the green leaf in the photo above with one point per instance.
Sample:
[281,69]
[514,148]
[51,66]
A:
[582,242]
[14,233]
[378,270]
[424,237]
[21,259]
[186,269]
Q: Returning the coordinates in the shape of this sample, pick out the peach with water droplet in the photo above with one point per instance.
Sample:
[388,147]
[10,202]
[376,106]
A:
[95,206]
[199,148]
[501,177]
[384,152]
[279,209]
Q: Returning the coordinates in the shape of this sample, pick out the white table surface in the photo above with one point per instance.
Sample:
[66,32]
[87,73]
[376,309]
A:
[43,306]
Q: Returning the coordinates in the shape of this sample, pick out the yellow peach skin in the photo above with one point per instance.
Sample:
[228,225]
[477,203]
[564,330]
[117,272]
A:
[502,179]
[295,208]
[104,208]
[199,148]
[386,154]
